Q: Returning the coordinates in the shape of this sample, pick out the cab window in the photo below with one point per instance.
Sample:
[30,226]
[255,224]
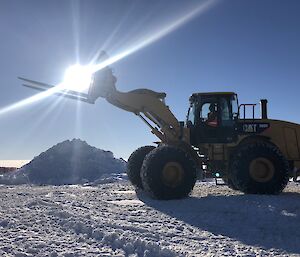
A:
[226,112]
[191,115]
[204,114]
[235,106]
[209,114]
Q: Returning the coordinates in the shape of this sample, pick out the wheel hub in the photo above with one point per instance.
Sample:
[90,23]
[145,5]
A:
[172,174]
[261,169]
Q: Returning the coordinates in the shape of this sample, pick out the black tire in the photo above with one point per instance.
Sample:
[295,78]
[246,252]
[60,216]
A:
[135,163]
[259,168]
[168,173]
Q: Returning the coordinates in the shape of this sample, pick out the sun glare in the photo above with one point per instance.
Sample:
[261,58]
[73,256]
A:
[78,78]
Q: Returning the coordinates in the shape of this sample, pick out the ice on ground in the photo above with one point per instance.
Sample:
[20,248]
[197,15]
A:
[69,162]
[128,202]
[95,221]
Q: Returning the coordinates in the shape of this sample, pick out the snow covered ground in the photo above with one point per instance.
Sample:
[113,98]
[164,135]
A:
[111,220]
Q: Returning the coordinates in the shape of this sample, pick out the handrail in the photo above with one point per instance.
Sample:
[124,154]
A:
[244,110]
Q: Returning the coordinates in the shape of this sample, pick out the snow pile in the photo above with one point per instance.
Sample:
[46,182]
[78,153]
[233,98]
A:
[69,162]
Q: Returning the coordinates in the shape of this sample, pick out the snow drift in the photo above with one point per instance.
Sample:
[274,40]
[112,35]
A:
[69,162]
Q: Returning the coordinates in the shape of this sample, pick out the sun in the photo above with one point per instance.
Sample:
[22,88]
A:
[78,78]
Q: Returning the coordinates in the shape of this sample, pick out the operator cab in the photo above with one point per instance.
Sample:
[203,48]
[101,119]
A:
[212,117]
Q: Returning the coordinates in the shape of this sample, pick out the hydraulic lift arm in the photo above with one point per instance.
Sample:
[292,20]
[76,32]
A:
[150,107]
[147,104]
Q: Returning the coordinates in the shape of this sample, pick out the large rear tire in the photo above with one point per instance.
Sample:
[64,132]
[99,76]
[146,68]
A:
[168,173]
[259,168]
[134,165]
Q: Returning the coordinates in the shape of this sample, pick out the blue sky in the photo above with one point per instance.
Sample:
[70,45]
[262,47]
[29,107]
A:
[250,47]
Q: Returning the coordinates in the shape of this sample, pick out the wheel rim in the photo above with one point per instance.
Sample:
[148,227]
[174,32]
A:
[262,169]
[172,174]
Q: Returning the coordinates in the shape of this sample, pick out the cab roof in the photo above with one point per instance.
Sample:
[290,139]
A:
[195,96]
[212,94]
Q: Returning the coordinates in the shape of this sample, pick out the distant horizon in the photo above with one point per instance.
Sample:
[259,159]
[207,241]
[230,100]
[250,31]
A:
[247,47]
[13,163]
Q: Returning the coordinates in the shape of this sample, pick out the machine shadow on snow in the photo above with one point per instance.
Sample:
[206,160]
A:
[264,221]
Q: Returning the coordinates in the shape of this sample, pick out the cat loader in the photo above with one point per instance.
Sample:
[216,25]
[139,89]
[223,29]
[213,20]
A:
[219,137]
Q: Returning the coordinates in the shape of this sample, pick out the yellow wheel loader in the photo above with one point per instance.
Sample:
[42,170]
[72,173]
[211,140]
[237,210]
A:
[253,155]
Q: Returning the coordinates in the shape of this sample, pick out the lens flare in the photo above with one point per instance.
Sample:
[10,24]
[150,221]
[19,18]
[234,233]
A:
[79,82]
[78,78]
[162,32]
[30,100]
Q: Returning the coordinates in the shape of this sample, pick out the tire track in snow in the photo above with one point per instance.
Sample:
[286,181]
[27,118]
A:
[130,239]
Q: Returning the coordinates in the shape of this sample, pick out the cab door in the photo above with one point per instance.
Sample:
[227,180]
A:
[227,129]
[220,128]
[208,120]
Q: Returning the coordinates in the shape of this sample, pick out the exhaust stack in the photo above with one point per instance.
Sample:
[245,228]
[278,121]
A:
[263,106]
